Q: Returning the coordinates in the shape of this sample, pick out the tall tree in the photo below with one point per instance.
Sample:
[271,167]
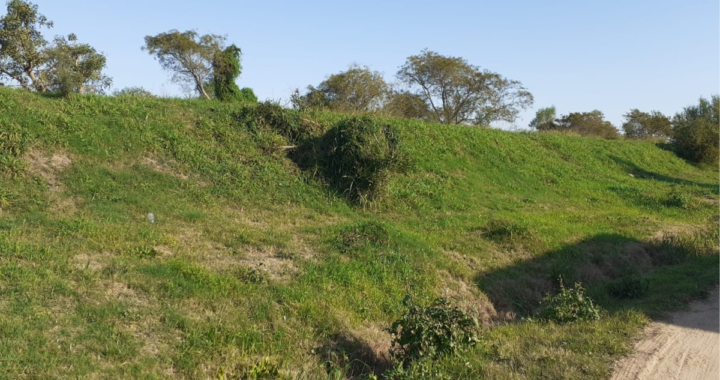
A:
[226,69]
[406,105]
[22,46]
[544,119]
[695,133]
[459,93]
[188,55]
[26,57]
[640,125]
[358,89]
[588,124]
[75,67]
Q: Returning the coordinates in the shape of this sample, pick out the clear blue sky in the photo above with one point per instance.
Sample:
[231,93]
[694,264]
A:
[609,55]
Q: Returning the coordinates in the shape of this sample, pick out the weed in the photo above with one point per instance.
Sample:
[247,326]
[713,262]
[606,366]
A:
[431,331]
[250,275]
[569,305]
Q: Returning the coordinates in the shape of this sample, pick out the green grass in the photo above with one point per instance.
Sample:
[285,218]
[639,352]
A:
[253,260]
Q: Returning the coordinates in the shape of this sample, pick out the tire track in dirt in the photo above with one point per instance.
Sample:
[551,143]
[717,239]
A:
[685,346]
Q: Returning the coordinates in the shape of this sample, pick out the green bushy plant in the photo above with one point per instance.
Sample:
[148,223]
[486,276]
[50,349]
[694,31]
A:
[431,331]
[357,156]
[695,132]
[226,69]
[247,95]
[270,116]
[569,305]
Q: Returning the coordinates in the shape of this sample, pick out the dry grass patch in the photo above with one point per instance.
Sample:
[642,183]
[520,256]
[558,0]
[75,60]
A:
[163,167]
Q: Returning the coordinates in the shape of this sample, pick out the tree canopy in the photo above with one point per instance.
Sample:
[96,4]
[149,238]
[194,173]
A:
[75,67]
[544,119]
[696,133]
[640,125]
[25,56]
[588,124]
[358,89]
[22,46]
[226,69]
[460,93]
[188,55]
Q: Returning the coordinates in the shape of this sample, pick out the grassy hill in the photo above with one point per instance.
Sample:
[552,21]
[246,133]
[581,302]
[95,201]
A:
[255,262]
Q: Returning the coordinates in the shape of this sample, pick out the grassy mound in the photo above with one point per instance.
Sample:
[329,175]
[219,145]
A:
[256,264]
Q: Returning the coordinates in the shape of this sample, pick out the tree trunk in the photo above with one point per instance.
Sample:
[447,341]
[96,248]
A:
[199,87]
[39,87]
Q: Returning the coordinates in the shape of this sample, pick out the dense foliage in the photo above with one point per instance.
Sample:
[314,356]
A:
[66,66]
[696,131]
[431,331]
[226,70]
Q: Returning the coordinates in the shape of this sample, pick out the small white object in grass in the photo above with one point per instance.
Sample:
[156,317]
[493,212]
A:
[151,217]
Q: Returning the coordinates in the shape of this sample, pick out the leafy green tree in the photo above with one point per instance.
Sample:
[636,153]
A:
[459,93]
[544,119]
[406,105]
[188,55]
[226,69]
[358,89]
[695,132]
[588,124]
[133,91]
[25,56]
[22,46]
[75,68]
[640,125]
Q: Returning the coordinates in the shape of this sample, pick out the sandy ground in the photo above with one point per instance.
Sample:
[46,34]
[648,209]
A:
[684,346]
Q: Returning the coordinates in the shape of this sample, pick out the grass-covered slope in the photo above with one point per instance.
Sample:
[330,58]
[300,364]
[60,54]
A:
[251,259]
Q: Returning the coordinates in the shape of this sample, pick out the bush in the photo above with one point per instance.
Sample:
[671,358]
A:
[358,154]
[272,117]
[432,331]
[133,91]
[247,95]
[569,305]
[695,132]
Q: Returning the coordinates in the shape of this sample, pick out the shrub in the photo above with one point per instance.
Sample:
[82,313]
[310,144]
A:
[133,91]
[432,331]
[247,95]
[271,116]
[695,132]
[358,154]
[569,305]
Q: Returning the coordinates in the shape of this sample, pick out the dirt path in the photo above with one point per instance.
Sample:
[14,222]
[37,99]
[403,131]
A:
[685,346]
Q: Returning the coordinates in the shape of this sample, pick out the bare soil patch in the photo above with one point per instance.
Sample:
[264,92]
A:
[685,345]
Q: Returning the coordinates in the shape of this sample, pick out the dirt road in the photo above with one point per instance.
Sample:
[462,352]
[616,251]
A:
[685,346]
